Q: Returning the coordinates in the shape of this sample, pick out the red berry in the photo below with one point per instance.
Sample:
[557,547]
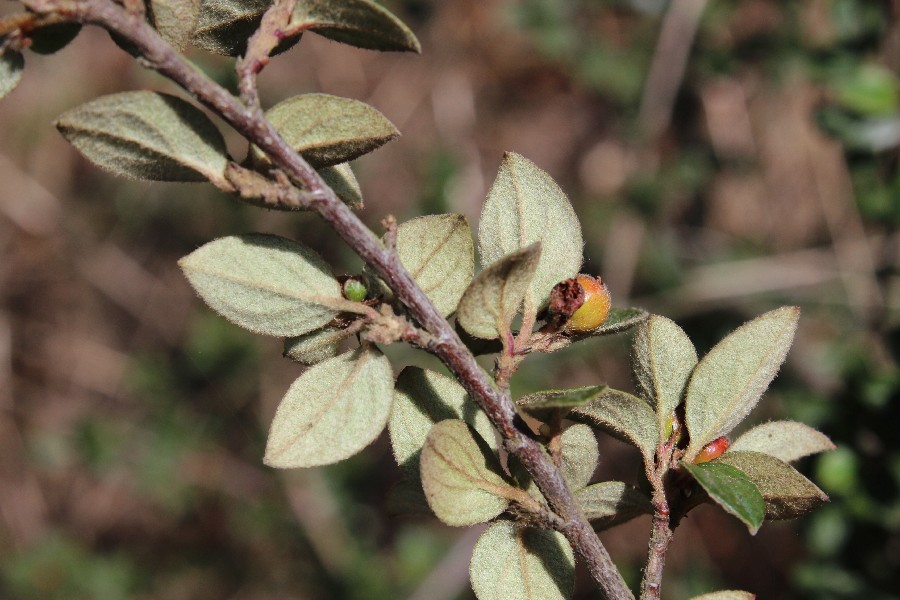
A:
[595,308]
[712,450]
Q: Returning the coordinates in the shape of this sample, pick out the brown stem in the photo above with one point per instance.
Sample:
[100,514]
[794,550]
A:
[661,530]
[444,343]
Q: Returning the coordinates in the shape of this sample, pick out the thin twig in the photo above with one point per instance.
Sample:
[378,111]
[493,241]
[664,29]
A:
[661,529]
[259,47]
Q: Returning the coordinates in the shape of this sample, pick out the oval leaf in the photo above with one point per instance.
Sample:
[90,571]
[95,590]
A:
[224,26]
[525,206]
[488,306]
[726,595]
[175,20]
[315,346]
[543,405]
[264,283]
[624,416]
[438,252]
[785,440]
[329,130]
[579,455]
[729,381]
[332,411]
[341,179]
[423,398]
[461,476]
[523,563]
[663,358]
[731,489]
[11,66]
[787,493]
[147,135]
[610,503]
[360,23]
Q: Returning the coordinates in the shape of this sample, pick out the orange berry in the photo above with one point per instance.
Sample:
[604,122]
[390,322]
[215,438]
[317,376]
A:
[712,450]
[593,311]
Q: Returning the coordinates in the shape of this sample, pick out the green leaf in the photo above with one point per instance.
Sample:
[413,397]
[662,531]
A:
[663,358]
[175,20]
[731,489]
[316,346]
[11,66]
[341,179]
[579,455]
[461,476]
[421,399]
[224,26]
[787,493]
[525,206]
[488,306]
[360,23]
[147,135]
[726,595]
[869,90]
[437,251]
[785,440]
[610,503]
[730,380]
[624,416]
[264,283]
[522,562]
[542,405]
[53,38]
[332,411]
[328,130]
[619,320]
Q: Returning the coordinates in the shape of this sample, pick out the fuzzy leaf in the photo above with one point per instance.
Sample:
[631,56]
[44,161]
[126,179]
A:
[663,358]
[360,23]
[264,283]
[437,250]
[523,563]
[624,416]
[726,595]
[224,26]
[543,405]
[461,475]
[147,135]
[332,411]
[610,503]
[328,130]
[341,179]
[787,493]
[785,440]
[175,20]
[619,320]
[315,346]
[731,489]
[730,380]
[488,306]
[421,399]
[579,455]
[11,66]
[525,206]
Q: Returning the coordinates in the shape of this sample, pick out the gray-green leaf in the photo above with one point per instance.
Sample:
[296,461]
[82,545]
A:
[488,306]
[731,489]
[316,346]
[785,440]
[726,595]
[663,358]
[341,179]
[523,563]
[525,206]
[579,455]
[728,382]
[224,26]
[625,416]
[421,399]
[264,283]
[147,135]
[329,130]
[542,405]
[360,23]
[610,503]
[175,20]
[438,252]
[11,66]
[461,476]
[787,493]
[332,411]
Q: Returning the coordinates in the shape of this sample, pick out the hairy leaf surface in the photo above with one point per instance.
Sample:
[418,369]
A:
[11,66]
[625,416]
[147,135]
[437,251]
[579,455]
[525,206]
[731,489]
[785,440]
[264,283]
[360,23]
[175,20]
[315,346]
[609,503]
[341,179]
[543,405]
[522,562]
[224,26]
[729,381]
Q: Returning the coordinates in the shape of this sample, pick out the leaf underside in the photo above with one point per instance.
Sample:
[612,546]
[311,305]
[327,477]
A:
[785,440]
[624,416]
[610,503]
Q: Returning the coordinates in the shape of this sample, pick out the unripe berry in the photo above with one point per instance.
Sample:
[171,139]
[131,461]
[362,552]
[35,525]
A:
[712,450]
[355,290]
[593,311]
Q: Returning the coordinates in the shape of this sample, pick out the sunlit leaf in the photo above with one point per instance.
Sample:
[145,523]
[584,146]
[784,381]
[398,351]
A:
[625,416]
[175,20]
[315,346]
[224,26]
[731,489]
[264,283]
[332,411]
[523,563]
[609,503]
[785,440]
[360,23]
[726,595]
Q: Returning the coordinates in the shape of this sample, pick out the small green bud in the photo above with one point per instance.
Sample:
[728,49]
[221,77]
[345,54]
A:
[355,290]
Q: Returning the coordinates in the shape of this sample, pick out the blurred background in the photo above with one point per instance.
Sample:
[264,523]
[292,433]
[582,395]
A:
[725,158]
